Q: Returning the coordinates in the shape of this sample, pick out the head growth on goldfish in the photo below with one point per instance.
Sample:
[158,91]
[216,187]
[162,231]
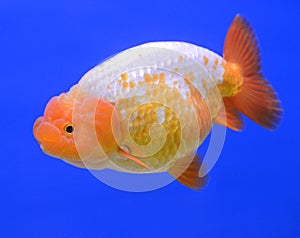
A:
[55,130]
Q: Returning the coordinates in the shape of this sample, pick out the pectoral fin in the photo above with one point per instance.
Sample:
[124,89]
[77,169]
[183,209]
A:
[133,158]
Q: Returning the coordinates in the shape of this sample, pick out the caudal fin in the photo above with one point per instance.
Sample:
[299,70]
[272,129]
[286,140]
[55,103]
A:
[256,98]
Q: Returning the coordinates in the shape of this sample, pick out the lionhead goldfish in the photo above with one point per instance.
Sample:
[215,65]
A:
[149,108]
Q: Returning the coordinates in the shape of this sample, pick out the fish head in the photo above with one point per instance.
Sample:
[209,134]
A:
[55,130]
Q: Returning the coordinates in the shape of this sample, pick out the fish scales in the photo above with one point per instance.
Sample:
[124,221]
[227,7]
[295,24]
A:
[172,87]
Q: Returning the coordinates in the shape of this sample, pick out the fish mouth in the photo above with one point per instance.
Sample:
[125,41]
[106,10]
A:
[45,132]
[50,148]
[52,141]
[36,126]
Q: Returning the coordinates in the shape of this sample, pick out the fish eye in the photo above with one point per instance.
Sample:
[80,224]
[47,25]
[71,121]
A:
[69,129]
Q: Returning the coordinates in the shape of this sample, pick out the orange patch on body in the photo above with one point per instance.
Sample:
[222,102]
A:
[147,78]
[216,64]
[154,78]
[232,79]
[205,60]
[181,57]
[132,84]
[162,77]
[216,61]
[125,84]
[124,76]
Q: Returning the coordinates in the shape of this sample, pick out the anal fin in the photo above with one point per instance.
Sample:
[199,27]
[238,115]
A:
[190,177]
[229,117]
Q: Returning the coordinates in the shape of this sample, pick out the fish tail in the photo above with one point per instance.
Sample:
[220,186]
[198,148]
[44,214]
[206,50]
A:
[250,94]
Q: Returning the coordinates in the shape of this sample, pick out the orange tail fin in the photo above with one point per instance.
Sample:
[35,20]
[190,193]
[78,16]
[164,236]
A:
[256,98]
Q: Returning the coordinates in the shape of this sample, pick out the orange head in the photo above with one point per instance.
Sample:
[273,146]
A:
[54,131]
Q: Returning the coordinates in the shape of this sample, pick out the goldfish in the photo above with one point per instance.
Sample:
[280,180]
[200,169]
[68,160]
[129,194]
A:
[149,108]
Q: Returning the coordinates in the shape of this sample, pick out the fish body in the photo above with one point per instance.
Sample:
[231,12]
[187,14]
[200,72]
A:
[149,108]
[158,90]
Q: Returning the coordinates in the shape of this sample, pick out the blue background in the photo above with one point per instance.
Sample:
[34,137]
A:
[46,46]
